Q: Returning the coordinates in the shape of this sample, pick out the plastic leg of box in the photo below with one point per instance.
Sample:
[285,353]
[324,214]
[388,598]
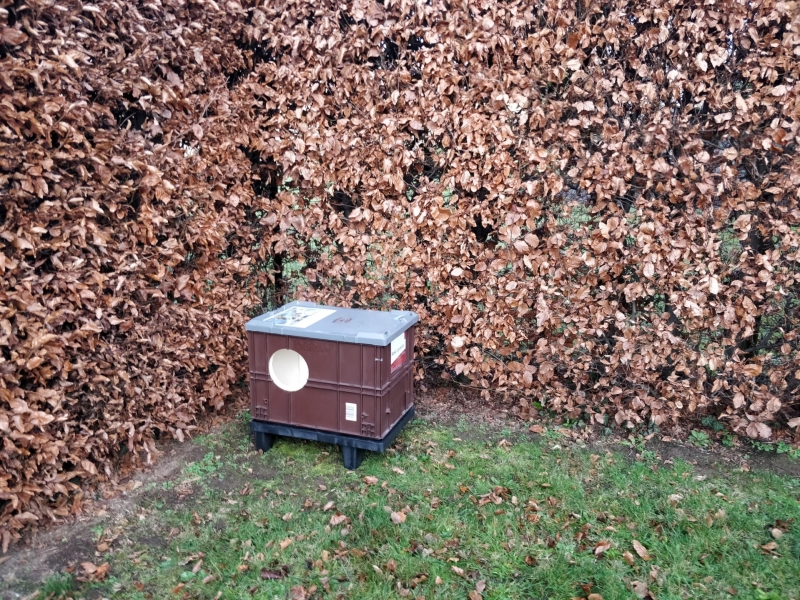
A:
[352,457]
[264,440]
[353,447]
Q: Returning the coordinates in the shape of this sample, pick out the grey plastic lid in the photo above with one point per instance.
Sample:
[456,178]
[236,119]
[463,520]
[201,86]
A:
[354,325]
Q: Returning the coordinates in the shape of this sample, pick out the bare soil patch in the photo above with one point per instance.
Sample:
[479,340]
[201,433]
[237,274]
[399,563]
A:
[52,550]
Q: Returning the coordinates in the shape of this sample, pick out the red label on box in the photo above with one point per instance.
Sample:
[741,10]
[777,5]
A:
[398,351]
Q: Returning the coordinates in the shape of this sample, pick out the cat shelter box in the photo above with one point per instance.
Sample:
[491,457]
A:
[341,376]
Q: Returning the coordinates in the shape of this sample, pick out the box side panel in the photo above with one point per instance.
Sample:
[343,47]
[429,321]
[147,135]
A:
[394,401]
[409,379]
[393,366]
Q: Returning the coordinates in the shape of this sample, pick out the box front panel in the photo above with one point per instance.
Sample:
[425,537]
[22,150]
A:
[316,408]
[370,366]
[279,400]
[321,357]
[259,392]
[350,364]
[350,412]
[259,395]
[370,418]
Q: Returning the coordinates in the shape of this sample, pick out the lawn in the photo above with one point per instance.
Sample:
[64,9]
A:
[449,512]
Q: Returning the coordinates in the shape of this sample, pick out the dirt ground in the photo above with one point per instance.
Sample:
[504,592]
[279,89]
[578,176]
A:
[62,547]
[57,548]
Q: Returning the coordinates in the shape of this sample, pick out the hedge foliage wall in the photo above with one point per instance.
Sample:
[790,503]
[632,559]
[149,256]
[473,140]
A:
[593,205]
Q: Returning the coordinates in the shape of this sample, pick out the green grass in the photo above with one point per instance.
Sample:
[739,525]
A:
[523,519]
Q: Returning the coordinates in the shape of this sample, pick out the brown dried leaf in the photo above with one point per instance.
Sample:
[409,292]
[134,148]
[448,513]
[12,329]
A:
[602,547]
[337,519]
[641,550]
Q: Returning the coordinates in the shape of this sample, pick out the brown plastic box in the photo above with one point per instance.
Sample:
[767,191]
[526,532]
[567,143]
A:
[327,369]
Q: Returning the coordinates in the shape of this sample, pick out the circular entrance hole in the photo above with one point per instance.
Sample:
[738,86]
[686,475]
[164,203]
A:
[288,370]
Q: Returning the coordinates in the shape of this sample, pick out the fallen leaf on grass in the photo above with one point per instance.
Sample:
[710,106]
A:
[328,506]
[285,543]
[93,572]
[457,570]
[639,588]
[769,546]
[628,558]
[480,586]
[208,579]
[273,573]
[536,429]
[298,592]
[88,567]
[398,470]
[530,561]
[474,595]
[641,550]
[197,566]
[438,580]
[602,547]
[398,517]
[338,519]
[594,597]
[287,517]
[370,480]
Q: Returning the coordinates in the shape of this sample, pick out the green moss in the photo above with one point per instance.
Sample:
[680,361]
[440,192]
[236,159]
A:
[573,215]
[730,248]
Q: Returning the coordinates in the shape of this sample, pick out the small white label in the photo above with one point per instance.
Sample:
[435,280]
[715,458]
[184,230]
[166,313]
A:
[300,316]
[398,351]
[350,411]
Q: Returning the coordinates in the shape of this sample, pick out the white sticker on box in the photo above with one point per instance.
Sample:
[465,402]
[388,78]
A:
[300,316]
[398,351]
[350,411]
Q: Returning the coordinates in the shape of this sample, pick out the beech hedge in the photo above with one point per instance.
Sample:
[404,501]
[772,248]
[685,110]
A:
[591,205]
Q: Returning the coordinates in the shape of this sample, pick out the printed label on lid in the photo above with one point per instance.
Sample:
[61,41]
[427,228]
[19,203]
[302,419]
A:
[398,351]
[350,411]
[300,316]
